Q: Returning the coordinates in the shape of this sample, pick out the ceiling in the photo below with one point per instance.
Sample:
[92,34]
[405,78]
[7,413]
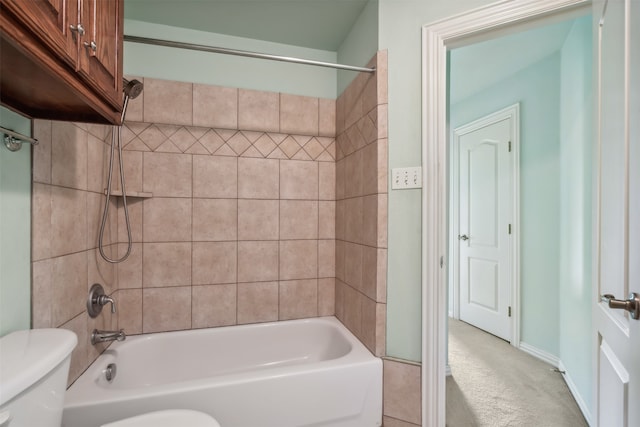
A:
[316,24]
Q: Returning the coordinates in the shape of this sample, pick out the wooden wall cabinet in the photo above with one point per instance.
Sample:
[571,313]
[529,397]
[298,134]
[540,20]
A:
[62,59]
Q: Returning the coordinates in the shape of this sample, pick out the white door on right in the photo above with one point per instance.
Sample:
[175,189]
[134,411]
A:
[617,333]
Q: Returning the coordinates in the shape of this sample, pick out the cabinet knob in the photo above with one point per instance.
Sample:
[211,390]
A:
[77,29]
[93,46]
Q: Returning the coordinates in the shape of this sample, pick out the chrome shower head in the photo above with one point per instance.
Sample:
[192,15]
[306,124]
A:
[132,88]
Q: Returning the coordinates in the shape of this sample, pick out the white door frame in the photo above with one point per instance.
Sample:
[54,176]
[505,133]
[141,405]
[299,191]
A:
[437,38]
[512,113]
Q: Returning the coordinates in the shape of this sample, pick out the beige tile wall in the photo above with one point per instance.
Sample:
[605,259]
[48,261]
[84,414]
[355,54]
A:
[361,206]
[402,401]
[256,209]
[67,202]
[241,225]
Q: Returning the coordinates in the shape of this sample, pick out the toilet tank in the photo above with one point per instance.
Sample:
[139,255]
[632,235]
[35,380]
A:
[34,365]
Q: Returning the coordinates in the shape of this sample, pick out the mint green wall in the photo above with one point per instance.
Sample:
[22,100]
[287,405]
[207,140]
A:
[575,195]
[226,70]
[537,89]
[15,229]
[360,45]
[400,32]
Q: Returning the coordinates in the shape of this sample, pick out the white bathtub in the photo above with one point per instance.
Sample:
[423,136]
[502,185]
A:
[310,372]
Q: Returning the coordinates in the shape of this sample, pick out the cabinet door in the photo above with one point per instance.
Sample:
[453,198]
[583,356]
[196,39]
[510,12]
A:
[50,21]
[101,51]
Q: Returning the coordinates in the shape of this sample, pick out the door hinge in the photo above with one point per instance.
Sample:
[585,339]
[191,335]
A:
[509,228]
[509,146]
[441,262]
[509,311]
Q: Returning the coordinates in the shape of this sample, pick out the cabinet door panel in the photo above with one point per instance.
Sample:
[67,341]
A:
[100,64]
[50,21]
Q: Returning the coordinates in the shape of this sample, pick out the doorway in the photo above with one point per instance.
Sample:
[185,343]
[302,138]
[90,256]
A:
[543,230]
[438,39]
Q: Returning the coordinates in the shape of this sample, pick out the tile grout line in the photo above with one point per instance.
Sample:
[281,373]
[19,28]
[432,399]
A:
[318,239]
[192,214]
[237,237]
[279,229]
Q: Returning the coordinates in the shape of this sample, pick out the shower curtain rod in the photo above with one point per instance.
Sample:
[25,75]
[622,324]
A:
[213,49]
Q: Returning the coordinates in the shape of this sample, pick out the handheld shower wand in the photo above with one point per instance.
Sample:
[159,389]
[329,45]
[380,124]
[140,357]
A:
[132,89]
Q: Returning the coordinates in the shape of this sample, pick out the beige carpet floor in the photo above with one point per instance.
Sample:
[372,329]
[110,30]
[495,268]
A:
[494,385]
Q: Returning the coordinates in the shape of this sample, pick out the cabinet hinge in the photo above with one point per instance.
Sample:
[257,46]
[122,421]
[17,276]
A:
[509,228]
[509,311]
[509,146]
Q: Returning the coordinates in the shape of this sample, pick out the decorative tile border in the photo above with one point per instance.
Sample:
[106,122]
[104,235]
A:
[153,137]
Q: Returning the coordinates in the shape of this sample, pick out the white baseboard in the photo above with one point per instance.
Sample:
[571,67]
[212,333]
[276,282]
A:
[539,354]
[574,391]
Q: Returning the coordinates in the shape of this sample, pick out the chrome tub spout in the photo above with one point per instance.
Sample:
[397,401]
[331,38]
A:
[103,336]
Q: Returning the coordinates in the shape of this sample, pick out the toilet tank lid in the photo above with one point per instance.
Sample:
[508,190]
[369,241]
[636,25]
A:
[28,356]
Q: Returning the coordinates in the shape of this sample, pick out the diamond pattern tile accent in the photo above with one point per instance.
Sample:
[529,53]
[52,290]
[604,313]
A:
[301,139]
[313,148]
[168,130]
[127,135]
[373,115]
[325,157]
[225,150]
[197,132]
[251,136]
[265,145]
[238,143]
[252,151]
[345,146]
[211,141]
[197,148]
[331,149]
[356,139]
[301,155]
[136,145]
[137,127]
[168,147]
[277,137]
[367,129]
[226,134]
[152,137]
[325,141]
[183,139]
[138,136]
[277,154]
[290,147]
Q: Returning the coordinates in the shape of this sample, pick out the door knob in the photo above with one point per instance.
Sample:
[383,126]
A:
[463,237]
[632,304]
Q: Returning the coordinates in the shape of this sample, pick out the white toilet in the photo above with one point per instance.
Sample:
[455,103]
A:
[34,365]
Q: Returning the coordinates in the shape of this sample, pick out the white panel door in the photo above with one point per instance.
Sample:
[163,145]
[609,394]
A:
[617,334]
[485,206]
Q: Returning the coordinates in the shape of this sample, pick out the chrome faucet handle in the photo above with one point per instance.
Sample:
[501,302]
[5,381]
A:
[97,299]
[104,299]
